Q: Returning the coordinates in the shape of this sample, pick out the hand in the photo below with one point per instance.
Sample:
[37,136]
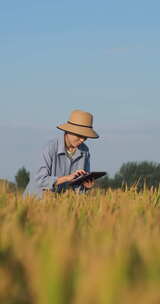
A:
[89,183]
[75,174]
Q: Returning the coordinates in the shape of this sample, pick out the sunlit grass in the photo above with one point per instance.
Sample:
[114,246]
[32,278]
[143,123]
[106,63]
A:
[95,248]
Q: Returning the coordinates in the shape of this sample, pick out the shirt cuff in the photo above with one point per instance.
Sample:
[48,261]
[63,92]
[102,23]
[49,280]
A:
[51,181]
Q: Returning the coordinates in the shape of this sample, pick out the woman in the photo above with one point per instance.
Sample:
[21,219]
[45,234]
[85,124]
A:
[65,157]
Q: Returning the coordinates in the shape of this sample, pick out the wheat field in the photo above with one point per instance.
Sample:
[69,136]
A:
[94,248]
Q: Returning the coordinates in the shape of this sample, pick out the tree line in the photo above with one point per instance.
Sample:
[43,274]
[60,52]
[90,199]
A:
[138,174]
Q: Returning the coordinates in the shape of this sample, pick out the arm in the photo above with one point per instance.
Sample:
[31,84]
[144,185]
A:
[89,183]
[68,178]
[44,177]
[87,163]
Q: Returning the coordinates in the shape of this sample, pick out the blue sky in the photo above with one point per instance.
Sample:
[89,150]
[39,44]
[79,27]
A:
[98,56]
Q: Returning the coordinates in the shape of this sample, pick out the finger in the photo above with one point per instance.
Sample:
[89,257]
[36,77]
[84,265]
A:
[89,183]
[89,180]
[80,172]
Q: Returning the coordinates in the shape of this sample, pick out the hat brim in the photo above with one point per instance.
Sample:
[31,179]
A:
[83,131]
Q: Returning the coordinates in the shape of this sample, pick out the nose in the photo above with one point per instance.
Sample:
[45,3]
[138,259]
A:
[82,139]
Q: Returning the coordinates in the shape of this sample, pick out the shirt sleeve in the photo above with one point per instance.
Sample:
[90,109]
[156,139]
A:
[81,188]
[44,177]
[87,169]
[87,163]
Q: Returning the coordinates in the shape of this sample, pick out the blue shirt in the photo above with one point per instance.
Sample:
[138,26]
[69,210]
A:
[54,163]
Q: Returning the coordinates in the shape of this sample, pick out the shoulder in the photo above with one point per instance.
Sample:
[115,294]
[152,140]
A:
[56,145]
[51,145]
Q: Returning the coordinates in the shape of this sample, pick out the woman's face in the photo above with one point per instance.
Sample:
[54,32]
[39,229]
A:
[73,140]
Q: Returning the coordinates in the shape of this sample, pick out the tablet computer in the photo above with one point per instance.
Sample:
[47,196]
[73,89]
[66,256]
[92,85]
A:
[91,175]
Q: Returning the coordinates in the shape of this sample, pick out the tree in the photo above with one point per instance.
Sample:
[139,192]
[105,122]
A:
[141,173]
[22,178]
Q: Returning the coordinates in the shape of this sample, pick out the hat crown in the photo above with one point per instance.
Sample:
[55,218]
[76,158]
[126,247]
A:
[81,118]
[80,123]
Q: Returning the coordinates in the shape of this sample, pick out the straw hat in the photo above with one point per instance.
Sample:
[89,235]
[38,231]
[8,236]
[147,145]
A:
[80,123]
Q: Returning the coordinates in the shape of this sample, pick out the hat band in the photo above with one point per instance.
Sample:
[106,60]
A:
[71,123]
